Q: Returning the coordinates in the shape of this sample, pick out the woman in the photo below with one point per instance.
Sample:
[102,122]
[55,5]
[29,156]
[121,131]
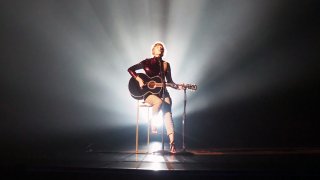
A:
[155,66]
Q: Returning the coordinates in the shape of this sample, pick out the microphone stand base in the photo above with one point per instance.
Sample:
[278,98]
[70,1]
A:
[184,152]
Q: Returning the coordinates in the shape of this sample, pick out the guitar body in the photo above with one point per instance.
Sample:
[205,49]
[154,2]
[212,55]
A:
[150,87]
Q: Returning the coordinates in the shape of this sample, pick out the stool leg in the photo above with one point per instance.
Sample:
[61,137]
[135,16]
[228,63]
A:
[148,124]
[137,127]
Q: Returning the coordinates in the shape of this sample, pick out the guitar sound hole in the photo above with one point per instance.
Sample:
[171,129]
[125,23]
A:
[151,84]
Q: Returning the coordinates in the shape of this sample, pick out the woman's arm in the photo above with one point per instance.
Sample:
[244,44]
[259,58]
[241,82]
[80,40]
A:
[132,72]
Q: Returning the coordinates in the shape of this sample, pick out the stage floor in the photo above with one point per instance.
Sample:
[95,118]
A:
[192,164]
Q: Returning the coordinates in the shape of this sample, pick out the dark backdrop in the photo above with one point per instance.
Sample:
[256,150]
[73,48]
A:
[41,84]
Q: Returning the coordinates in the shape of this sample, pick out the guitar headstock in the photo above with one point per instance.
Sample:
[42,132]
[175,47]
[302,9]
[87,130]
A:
[192,87]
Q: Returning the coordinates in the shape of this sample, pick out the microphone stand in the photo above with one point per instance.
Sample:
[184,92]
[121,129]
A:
[184,150]
[163,98]
[184,118]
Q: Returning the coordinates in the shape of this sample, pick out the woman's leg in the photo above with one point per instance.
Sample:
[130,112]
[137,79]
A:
[156,102]
[169,123]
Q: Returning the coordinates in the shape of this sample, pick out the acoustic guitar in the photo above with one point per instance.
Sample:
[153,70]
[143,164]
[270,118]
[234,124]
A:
[153,85]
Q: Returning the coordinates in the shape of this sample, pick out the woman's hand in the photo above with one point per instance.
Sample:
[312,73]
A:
[179,86]
[141,82]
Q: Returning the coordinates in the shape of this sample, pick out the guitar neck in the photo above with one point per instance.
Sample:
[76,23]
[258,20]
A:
[173,85]
[166,84]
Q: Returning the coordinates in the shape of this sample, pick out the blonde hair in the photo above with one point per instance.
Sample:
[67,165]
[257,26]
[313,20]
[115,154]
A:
[157,43]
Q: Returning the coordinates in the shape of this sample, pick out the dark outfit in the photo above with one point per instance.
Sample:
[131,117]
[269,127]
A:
[152,68]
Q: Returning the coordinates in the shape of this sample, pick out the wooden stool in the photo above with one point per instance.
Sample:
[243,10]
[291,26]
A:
[142,104]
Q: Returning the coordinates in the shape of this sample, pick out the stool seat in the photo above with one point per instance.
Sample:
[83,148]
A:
[144,104]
